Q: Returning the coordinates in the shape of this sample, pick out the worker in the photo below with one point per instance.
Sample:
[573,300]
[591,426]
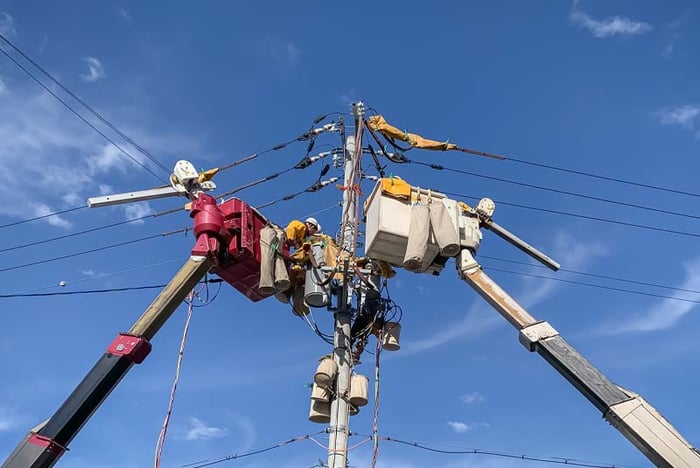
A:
[298,232]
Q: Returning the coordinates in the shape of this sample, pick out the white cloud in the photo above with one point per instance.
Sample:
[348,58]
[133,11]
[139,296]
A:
[471,398]
[200,431]
[95,70]
[459,427]
[615,25]
[665,313]
[87,272]
[684,115]
[134,211]
[3,86]
[7,25]
[66,161]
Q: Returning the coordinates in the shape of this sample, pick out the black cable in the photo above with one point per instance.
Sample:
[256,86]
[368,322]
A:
[553,460]
[235,456]
[593,275]
[581,216]
[87,106]
[602,177]
[55,213]
[77,114]
[86,231]
[599,286]
[101,291]
[98,249]
[553,190]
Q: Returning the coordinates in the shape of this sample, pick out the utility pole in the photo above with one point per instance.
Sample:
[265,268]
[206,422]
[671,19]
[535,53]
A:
[340,415]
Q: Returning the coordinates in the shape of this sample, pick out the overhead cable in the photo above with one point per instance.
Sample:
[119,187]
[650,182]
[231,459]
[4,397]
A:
[97,291]
[87,231]
[77,114]
[87,106]
[44,216]
[97,249]
[552,460]
[581,216]
[440,167]
[235,456]
[592,285]
[594,275]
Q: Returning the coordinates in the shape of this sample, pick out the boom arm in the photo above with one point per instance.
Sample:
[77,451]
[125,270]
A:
[44,445]
[628,412]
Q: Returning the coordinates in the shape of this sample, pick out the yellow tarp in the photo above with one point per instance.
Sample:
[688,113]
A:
[396,187]
[378,123]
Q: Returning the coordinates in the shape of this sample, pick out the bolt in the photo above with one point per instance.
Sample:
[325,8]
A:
[120,347]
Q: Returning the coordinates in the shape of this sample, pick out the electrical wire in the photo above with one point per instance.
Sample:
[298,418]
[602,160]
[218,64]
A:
[171,402]
[552,460]
[97,249]
[101,276]
[440,167]
[592,285]
[86,231]
[236,456]
[594,275]
[375,416]
[602,177]
[581,216]
[86,105]
[102,291]
[77,114]
[48,215]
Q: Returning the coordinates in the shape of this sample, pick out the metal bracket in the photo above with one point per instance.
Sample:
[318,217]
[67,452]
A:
[466,263]
[532,334]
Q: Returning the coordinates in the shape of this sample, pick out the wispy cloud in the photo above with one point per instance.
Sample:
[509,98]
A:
[7,420]
[684,115]
[7,25]
[665,313]
[96,70]
[201,431]
[134,211]
[471,398]
[285,53]
[608,27]
[571,253]
[121,11]
[64,159]
[458,426]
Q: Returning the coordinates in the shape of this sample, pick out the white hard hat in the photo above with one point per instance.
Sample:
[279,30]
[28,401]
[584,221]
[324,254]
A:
[314,222]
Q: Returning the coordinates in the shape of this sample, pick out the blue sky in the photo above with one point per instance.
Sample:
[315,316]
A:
[604,87]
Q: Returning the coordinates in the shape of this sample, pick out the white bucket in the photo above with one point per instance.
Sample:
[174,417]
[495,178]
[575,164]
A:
[319,393]
[320,412]
[325,374]
[391,333]
[358,390]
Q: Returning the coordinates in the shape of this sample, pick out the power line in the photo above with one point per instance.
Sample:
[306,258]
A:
[440,167]
[101,276]
[97,291]
[87,231]
[552,460]
[581,216]
[97,249]
[77,114]
[591,285]
[48,215]
[602,177]
[86,105]
[594,275]
[235,456]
